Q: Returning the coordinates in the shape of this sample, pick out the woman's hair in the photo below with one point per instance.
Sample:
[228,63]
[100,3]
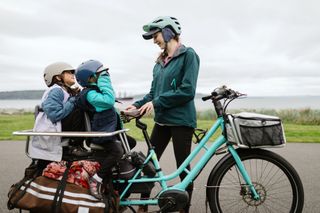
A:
[164,53]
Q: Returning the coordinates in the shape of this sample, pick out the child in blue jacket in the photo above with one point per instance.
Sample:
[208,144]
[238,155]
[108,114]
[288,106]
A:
[97,99]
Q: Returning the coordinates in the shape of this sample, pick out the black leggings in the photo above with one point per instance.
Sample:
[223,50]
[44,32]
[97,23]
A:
[114,152]
[181,140]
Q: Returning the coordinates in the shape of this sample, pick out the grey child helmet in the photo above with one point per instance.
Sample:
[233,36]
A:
[54,69]
[158,24]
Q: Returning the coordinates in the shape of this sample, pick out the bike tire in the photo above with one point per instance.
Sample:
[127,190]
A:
[277,182]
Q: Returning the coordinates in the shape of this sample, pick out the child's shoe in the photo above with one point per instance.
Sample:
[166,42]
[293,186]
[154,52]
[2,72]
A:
[78,151]
[142,209]
[95,188]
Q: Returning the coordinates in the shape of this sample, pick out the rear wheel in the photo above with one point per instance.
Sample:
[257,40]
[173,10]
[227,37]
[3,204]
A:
[275,180]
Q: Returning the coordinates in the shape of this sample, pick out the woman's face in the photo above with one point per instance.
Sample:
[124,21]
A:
[68,78]
[158,39]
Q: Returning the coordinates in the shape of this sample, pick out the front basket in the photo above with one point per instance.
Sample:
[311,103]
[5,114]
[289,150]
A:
[252,130]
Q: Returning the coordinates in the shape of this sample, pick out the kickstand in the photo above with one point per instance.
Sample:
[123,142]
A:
[206,205]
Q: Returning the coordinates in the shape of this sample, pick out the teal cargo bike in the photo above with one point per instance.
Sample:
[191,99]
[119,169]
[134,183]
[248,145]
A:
[248,178]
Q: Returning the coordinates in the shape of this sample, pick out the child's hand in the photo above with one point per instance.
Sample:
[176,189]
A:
[104,72]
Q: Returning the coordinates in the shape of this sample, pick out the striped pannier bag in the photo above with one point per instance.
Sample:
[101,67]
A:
[47,195]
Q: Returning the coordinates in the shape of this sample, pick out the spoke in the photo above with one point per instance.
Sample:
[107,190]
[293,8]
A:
[229,186]
[273,175]
[230,207]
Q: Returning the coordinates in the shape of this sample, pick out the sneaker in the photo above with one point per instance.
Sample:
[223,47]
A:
[95,188]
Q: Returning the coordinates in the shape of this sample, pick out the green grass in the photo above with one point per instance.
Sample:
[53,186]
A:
[294,132]
[10,123]
[305,116]
[302,133]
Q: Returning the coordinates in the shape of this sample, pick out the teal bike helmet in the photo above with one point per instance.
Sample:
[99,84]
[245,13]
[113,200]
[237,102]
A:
[161,23]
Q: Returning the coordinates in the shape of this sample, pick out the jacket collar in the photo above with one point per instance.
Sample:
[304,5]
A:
[179,51]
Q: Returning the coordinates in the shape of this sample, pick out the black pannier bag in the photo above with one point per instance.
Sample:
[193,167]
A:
[128,167]
[255,130]
[124,169]
[138,159]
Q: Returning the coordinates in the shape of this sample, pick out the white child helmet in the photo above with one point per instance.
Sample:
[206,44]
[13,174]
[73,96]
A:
[54,69]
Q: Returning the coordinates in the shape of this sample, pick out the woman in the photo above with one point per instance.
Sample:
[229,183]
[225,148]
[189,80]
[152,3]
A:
[172,93]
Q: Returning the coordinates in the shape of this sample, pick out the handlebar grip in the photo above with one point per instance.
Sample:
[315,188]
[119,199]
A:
[221,91]
[205,98]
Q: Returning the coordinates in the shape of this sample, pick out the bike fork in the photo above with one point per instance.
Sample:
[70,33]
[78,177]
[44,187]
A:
[243,172]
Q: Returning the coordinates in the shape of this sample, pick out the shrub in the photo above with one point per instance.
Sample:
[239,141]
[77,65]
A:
[305,116]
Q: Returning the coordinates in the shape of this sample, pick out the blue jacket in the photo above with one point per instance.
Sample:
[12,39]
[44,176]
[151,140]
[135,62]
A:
[55,107]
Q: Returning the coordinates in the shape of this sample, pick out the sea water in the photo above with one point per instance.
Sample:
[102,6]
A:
[292,102]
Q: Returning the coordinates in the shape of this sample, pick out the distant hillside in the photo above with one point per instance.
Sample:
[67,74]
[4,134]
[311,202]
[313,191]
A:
[37,94]
[140,96]
[24,94]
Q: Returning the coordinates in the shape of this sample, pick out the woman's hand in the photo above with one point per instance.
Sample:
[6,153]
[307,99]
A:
[146,108]
[131,107]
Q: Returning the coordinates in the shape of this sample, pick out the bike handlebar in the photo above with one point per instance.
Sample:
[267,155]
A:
[222,92]
[128,115]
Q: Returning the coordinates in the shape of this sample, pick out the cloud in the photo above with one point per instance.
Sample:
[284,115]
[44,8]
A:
[262,47]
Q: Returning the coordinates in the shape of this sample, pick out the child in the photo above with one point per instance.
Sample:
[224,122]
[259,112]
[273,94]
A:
[97,98]
[56,114]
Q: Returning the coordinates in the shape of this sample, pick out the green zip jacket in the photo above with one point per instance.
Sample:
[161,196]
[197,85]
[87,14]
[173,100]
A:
[173,89]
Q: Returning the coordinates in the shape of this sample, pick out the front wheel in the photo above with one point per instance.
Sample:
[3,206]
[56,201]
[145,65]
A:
[275,180]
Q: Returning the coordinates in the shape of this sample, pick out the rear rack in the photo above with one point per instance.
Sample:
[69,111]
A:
[30,132]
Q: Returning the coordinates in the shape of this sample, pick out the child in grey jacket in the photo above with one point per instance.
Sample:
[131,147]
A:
[57,107]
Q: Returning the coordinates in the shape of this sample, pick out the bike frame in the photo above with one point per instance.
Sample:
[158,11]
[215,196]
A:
[192,174]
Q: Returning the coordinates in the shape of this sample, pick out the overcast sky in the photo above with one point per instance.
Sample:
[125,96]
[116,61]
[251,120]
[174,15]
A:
[269,47]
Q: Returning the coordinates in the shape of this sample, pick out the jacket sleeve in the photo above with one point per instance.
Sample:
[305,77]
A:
[148,97]
[105,99]
[186,90]
[54,107]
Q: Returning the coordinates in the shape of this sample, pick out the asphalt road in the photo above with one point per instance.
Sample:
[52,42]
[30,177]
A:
[304,157]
